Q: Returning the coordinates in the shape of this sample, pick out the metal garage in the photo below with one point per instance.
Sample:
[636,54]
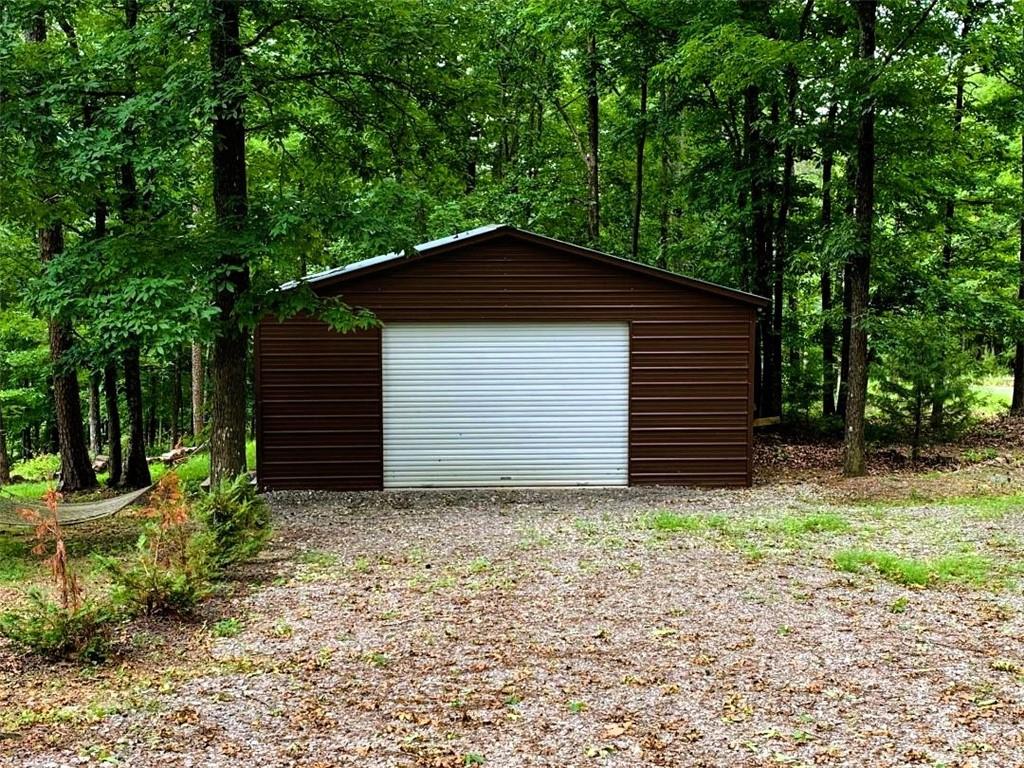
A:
[505,358]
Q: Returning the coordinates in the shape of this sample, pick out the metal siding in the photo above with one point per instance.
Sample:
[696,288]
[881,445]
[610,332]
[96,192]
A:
[320,391]
[505,404]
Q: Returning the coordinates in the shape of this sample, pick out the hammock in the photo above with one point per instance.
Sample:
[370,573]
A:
[68,514]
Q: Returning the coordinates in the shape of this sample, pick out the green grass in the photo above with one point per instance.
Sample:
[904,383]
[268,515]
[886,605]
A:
[819,522]
[229,627]
[670,522]
[962,567]
[16,561]
[992,507]
[191,472]
[993,394]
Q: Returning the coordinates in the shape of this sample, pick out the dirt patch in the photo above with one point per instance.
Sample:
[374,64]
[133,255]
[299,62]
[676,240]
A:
[553,628]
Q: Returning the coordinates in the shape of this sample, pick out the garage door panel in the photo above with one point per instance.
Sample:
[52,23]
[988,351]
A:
[505,404]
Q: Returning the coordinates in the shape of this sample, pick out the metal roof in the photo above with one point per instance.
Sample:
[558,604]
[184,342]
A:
[445,243]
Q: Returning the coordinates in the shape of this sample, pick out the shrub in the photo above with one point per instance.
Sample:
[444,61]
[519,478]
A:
[69,626]
[39,468]
[238,519]
[49,629]
[173,565]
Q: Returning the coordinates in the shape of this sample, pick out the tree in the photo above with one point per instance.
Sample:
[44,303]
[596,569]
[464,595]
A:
[854,463]
[76,469]
[231,204]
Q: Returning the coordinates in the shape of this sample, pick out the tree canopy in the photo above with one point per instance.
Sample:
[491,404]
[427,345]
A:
[167,164]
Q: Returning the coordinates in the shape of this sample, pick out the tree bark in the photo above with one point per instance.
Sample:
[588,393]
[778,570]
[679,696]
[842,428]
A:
[641,140]
[136,468]
[1017,402]
[854,463]
[5,460]
[151,416]
[113,423]
[769,399]
[94,413]
[828,334]
[76,469]
[937,418]
[176,401]
[228,357]
[593,134]
[197,389]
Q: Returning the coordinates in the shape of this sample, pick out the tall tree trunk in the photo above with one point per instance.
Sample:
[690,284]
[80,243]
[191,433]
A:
[197,389]
[937,417]
[854,463]
[228,369]
[769,399]
[94,413]
[844,344]
[136,468]
[593,134]
[27,451]
[76,469]
[151,416]
[1017,403]
[641,140]
[828,333]
[176,401]
[5,460]
[113,423]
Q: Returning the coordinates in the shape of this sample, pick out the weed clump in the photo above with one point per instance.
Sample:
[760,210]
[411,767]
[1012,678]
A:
[66,623]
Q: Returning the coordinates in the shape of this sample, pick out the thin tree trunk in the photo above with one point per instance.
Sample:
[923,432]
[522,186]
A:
[1017,402]
[828,334]
[27,451]
[937,418]
[176,402]
[915,446]
[641,140]
[786,197]
[5,460]
[113,423]
[197,389]
[593,134]
[228,358]
[94,413]
[860,263]
[769,400]
[151,416]
[136,468]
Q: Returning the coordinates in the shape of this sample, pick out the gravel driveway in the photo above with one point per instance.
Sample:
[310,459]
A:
[555,628]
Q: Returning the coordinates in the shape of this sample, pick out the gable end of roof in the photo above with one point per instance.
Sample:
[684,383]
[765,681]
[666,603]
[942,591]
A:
[481,234]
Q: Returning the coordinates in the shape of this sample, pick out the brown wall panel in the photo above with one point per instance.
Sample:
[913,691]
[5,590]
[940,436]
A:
[319,392]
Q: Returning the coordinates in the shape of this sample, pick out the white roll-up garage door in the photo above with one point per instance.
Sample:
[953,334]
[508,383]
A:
[503,404]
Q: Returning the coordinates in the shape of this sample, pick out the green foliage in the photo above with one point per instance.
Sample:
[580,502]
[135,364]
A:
[238,519]
[924,364]
[53,631]
[173,565]
[963,567]
[229,627]
[39,468]
[143,584]
[673,522]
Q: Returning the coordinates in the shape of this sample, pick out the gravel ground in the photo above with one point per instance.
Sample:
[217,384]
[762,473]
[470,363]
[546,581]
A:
[550,628]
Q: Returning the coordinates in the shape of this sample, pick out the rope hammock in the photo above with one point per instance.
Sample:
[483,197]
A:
[67,514]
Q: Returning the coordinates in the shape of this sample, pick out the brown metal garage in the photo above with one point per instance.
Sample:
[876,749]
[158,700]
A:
[508,358]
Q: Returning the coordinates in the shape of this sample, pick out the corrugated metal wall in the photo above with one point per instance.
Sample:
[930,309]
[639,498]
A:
[691,362]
